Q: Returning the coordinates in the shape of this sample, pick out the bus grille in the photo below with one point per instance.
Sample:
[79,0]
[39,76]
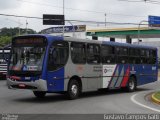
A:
[3,68]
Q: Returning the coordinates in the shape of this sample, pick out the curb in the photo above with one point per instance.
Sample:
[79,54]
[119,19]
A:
[154,99]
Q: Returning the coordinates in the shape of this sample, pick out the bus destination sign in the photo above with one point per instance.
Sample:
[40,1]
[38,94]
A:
[29,41]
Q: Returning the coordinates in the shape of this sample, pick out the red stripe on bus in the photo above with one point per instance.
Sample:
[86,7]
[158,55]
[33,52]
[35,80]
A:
[15,77]
[125,78]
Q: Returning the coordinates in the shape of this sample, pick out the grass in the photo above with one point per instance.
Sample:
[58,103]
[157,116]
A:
[157,95]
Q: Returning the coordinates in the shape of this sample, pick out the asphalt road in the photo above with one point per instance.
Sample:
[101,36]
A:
[104,102]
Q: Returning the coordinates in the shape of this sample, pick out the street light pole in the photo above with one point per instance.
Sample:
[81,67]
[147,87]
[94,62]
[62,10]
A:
[139,29]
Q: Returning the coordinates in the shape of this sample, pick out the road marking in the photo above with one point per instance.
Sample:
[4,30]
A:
[136,102]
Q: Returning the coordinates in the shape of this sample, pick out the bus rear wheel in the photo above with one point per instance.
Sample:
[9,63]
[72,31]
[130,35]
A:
[73,89]
[131,86]
[39,94]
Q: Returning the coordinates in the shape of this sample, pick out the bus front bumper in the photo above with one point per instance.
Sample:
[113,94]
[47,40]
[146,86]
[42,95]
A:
[38,85]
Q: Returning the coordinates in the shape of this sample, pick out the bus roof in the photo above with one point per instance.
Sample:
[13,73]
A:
[110,43]
[50,38]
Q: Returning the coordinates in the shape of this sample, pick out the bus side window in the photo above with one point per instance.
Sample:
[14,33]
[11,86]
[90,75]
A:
[107,54]
[122,55]
[93,54]
[147,57]
[78,53]
[58,55]
[152,57]
[143,56]
[137,55]
[134,56]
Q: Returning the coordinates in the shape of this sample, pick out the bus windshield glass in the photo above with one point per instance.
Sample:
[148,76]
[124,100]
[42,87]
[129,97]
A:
[27,55]
[27,58]
[6,53]
[1,55]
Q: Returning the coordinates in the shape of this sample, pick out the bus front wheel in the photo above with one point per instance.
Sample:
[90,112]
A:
[39,94]
[131,86]
[73,89]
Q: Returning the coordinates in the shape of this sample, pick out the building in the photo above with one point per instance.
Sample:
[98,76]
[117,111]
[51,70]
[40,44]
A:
[78,31]
[126,34]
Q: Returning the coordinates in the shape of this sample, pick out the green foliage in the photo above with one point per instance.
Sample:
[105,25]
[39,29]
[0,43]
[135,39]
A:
[4,40]
[6,34]
[15,31]
[157,95]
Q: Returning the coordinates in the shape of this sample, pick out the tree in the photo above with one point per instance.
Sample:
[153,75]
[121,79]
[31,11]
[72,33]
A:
[6,34]
[4,40]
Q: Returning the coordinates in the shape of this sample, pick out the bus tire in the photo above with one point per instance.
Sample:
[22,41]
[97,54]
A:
[131,85]
[39,94]
[73,89]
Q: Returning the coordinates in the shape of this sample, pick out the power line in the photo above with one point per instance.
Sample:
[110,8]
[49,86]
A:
[95,22]
[153,2]
[91,11]
[146,1]
[9,15]
[131,0]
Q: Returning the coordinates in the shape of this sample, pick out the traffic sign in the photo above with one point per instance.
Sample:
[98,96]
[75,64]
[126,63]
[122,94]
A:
[49,19]
[154,21]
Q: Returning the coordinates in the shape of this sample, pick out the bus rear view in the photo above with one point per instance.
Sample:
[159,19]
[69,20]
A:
[25,65]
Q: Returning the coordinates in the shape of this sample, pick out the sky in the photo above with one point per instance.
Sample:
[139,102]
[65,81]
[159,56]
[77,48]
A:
[120,11]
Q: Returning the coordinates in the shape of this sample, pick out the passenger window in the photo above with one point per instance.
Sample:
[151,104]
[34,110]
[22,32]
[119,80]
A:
[152,57]
[147,53]
[122,55]
[142,52]
[134,56]
[107,54]
[78,53]
[93,54]
[137,55]
[58,55]
[143,56]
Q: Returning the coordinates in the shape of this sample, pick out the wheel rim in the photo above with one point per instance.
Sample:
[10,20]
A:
[131,84]
[74,89]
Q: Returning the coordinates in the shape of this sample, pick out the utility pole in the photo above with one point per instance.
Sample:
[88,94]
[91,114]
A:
[139,29]
[63,14]
[26,26]
[105,19]
[74,35]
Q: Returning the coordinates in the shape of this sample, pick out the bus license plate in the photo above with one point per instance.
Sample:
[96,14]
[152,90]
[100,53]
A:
[27,78]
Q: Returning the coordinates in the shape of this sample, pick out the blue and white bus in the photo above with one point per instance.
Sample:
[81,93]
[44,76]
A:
[51,64]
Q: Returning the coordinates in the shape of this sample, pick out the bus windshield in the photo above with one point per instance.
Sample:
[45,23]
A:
[27,58]
[1,53]
[1,56]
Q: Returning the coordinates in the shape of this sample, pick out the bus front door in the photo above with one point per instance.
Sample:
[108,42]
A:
[58,56]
